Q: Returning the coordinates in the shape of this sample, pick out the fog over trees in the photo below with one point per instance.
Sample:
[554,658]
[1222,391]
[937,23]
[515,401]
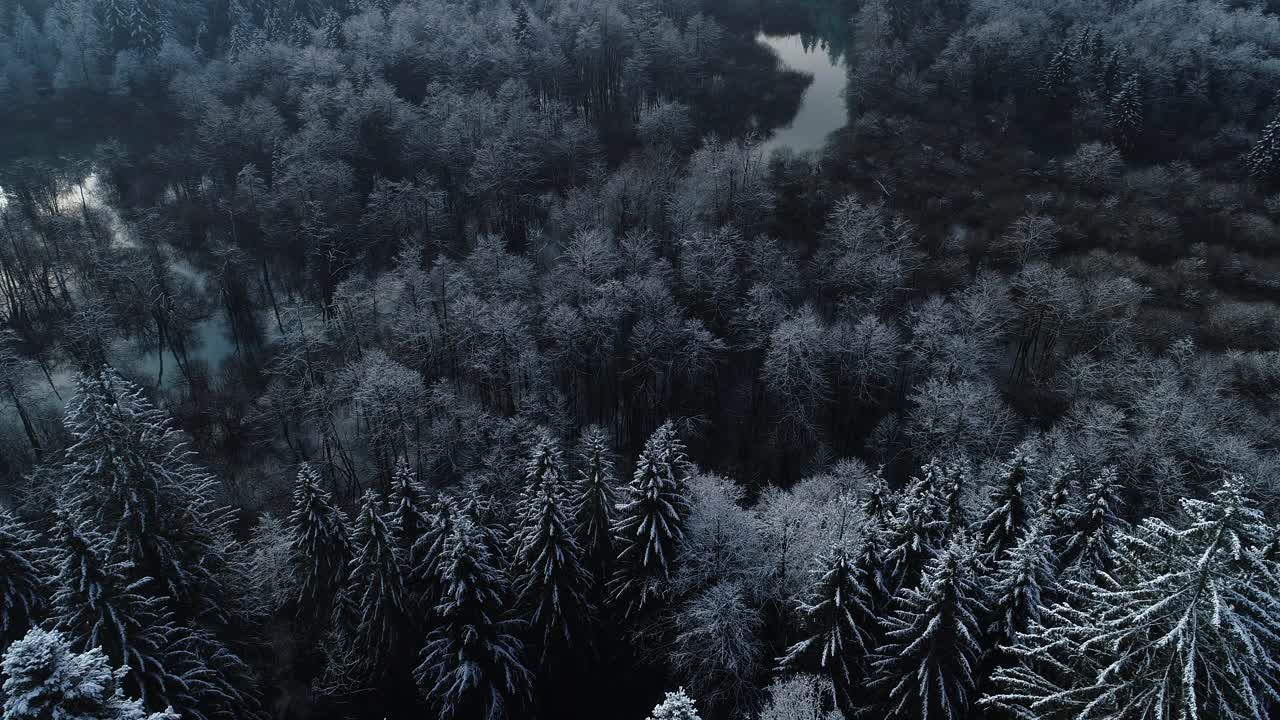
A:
[487,359]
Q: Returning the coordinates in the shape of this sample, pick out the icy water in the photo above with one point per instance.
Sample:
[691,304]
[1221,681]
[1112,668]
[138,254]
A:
[822,108]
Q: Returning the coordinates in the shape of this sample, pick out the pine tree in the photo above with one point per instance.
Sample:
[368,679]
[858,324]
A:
[96,606]
[954,480]
[544,468]
[1056,505]
[675,706]
[879,500]
[593,504]
[550,582]
[44,679]
[375,585]
[1263,160]
[650,523]
[409,501]
[129,473]
[1009,515]
[1125,114]
[427,574]
[473,663]
[1090,545]
[1022,579]
[1058,79]
[915,534]
[929,660]
[21,583]
[838,625]
[1183,627]
[320,545]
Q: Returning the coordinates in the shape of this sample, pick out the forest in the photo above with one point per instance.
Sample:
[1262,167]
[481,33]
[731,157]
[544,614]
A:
[639,359]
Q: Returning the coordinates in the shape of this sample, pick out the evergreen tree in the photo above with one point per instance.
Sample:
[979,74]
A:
[375,585]
[427,574]
[473,663]
[44,679]
[1185,626]
[409,521]
[21,583]
[594,503]
[130,475]
[650,523]
[954,480]
[1057,82]
[1057,504]
[1022,578]
[879,501]
[915,534]
[675,706]
[96,606]
[1125,114]
[1263,160]
[928,663]
[320,545]
[544,468]
[838,625]
[1090,545]
[1009,516]
[550,581]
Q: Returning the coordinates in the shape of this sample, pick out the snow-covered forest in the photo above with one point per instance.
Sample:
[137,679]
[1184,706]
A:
[488,359]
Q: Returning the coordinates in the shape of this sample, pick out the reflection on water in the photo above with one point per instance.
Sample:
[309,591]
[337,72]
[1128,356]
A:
[822,107]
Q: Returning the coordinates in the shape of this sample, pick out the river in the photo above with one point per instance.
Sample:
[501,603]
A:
[822,108]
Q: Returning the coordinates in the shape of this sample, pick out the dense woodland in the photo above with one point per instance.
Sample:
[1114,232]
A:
[470,359]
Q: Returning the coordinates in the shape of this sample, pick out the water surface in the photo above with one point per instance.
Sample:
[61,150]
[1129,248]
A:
[822,107]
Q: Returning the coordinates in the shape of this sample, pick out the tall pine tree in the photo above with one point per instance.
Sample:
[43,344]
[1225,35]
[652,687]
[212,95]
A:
[1009,515]
[473,664]
[376,585]
[593,504]
[928,663]
[320,545]
[550,582]
[838,625]
[22,592]
[1263,160]
[650,523]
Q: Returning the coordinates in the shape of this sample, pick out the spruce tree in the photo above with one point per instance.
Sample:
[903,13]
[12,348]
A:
[1009,515]
[1125,114]
[675,706]
[96,606]
[879,501]
[650,522]
[473,663]
[427,574]
[22,593]
[1022,579]
[915,534]
[1184,626]
[928,663]
[544,468]
[1090,545]
[837,624]
[1263,161]
[320,545]
[375,585]
[409,507]
[44,679]
[954,481]
[129,474]
[550,582]
[593,504]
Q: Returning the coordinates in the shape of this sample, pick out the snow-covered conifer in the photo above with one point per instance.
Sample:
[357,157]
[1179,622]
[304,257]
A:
[473,664]
[1090,545]
[44,679]
[1183,626]
[409,508]
[130,473]
[928,663]
[96,605]
[649,527]
[1009,515]
[915,533]
[1263,160]
[321,544]
[838,625]
[21,584]
[675,706]
[1125,114]
[550,581]
[877,505]
[375,584]
[593,504]
[1022,578]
